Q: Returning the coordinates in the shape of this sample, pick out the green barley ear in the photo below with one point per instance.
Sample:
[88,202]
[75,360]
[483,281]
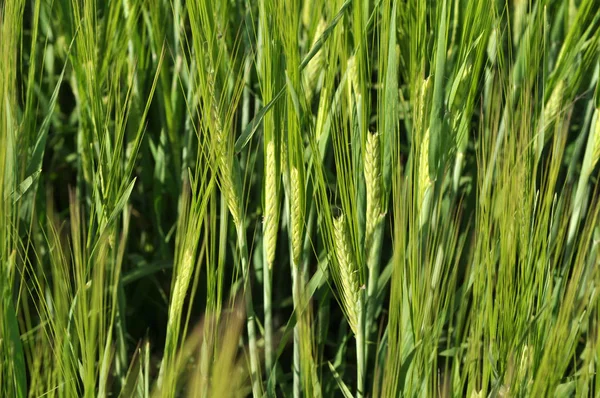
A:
[348,271]
[421,101]
[590,159]
[228,188]
[184,275]
[424,188]
[315,66]
[524,369]
[296,214]
[352,76]
[596,133]
[550,114]
[476,394]
[373,184]
[552,108]
[352,88]
[592,152]
[222,157]
[185,261]
[307,11]
[271,216]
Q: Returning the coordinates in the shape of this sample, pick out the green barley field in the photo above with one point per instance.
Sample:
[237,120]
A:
[288,198]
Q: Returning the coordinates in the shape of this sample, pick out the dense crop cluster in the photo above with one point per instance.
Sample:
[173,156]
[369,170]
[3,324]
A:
[299,198]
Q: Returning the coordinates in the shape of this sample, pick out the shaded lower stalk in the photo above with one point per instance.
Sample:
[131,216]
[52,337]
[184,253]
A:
[373,265]
[296,365]
[254,366]
[360,347]
[268,322]
[299,281]
[294,204]
[121,328]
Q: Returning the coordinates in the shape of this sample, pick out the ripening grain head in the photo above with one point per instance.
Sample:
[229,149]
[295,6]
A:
[424,186]
[352,75]
[296,214]
[424,180]
[223,158]
[348,272]
[271,216]
[553,107]
[373,183]
[596,147]
[315,66]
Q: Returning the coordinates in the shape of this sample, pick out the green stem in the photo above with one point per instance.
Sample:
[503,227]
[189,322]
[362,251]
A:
[267,297]
[360,349]
[254,366]
[373,260]
[296,365]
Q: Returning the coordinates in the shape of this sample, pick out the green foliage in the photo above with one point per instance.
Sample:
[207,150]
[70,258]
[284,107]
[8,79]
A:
[299,198]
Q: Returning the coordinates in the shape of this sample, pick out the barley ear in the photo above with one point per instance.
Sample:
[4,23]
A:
[422,96]
[271,215]
[347,271]
[222,157]
[228,189]
[182,282]
[352,76]
[296,214]
[550,115]
[184,275]
[552,108]
[373,184]
[596,147]
[315,66]
[307,11]
[424,188]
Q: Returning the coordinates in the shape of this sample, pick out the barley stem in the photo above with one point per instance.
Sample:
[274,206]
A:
[296,357]
[267,297]
[360,349]
[295,212]
[254,366]
[270,221]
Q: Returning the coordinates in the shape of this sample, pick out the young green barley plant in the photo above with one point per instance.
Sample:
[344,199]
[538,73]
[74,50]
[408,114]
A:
[373,186]
[231,190]
[13,371]
[433,164]
[348,271]
[271,204]
[297,216]
[270,231]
